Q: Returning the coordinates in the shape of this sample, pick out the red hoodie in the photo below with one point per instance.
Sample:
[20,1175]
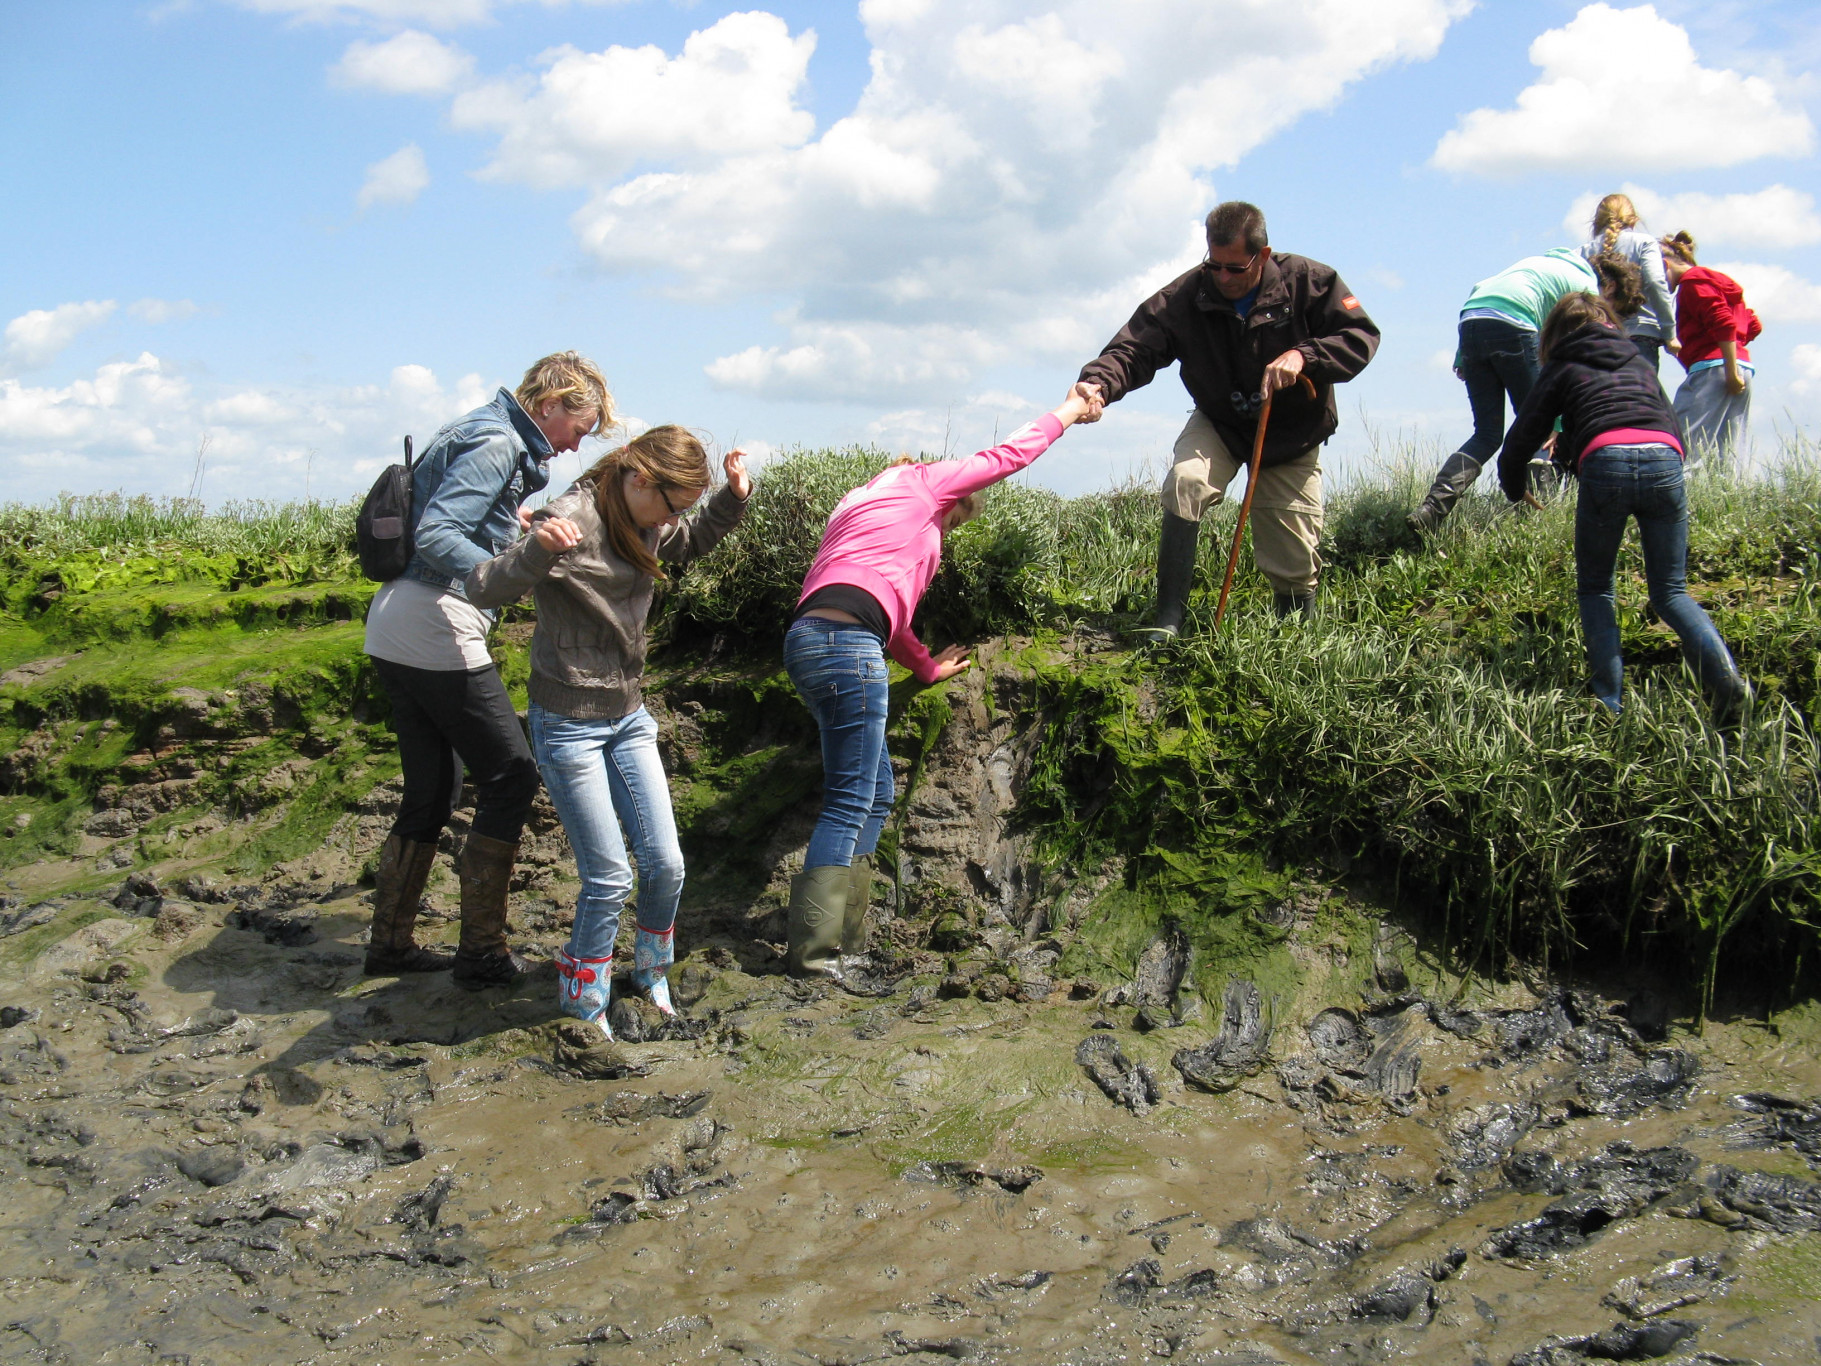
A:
[1710,309]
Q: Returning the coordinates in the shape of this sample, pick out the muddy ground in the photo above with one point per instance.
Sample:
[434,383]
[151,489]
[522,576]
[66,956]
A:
[223,1144]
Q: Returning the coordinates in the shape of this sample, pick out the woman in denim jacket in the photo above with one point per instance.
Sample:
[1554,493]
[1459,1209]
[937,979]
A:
[592,560]
[428,642]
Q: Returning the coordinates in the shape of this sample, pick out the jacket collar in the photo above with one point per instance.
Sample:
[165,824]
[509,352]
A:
[535,441]
[1272,289]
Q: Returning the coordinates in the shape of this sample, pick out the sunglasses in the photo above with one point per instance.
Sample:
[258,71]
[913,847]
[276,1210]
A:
[1222,269]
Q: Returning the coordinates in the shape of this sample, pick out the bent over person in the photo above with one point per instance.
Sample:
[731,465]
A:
[1243,324]
[428,643]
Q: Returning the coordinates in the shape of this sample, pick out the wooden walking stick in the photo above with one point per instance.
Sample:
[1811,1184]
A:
[1245,506]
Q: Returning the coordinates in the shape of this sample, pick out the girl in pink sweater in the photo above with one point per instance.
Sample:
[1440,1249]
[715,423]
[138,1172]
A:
[880,550]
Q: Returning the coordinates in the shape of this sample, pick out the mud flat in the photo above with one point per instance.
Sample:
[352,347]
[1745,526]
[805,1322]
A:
[222,1144]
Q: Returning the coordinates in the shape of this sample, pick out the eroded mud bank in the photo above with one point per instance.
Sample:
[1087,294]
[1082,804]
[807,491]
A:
[1061,1121]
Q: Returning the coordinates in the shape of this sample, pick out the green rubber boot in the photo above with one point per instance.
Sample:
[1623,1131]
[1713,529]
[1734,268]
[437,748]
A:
[859,898]
[818,908]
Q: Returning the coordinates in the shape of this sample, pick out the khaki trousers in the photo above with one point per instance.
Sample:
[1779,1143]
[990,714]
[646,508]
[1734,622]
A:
[1286,510]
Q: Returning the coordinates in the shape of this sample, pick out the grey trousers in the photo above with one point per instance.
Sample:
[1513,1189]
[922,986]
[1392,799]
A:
[1713,421]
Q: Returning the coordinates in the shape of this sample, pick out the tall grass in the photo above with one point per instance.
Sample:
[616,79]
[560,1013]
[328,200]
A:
[1432,720]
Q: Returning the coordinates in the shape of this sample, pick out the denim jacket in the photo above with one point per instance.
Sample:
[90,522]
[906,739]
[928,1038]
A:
[467,487]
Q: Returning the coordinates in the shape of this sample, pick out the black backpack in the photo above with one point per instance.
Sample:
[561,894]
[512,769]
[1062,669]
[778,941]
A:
[383,528]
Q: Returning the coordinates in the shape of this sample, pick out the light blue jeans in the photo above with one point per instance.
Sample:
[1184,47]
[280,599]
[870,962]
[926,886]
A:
[1619,483]
[603,775]
[840,671]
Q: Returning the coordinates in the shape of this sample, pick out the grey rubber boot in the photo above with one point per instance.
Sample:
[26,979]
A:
[1452,481]
[1176,545]
[1302,604]
[818,908]
[398,887]
[859,898]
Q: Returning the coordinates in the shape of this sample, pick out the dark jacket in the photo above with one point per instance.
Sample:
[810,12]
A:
[1595,382]
[1301,304]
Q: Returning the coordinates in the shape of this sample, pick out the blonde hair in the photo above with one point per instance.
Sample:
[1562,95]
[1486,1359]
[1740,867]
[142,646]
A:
[1679,245]
[963,509]
[1614,214]
[571,379]
[668,457]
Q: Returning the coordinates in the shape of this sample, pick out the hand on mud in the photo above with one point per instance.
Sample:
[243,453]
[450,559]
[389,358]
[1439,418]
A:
[738,480]
[950,662]
[1283,372]
[558,535]
[1085,403]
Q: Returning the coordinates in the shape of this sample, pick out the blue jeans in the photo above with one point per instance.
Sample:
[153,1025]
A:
[1617,483]
[1497,358]
[602,775]
[840,671]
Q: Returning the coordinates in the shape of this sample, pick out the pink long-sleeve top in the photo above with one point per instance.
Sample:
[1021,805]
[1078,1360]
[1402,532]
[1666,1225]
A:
[886,536]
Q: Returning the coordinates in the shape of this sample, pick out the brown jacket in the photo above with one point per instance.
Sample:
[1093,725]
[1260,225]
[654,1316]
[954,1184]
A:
[588,652]
[1301,304]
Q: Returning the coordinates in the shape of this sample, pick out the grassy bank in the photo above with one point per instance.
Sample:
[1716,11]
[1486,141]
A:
[1431,725]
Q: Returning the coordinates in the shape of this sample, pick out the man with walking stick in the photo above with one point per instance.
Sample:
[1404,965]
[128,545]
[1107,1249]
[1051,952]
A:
[1245,324]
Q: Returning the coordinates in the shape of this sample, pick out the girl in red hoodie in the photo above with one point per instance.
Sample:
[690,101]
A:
[1713,325]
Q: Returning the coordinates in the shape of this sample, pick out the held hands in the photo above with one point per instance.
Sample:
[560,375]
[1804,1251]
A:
[950,661]
[738,480]
[558,535]
[1085,403]
[1283,372]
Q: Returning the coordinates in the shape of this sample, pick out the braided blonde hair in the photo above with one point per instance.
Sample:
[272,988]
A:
[1614,214]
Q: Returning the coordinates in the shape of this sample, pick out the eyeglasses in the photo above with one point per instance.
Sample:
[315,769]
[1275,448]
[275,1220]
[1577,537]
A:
[664,493]
[1220,268]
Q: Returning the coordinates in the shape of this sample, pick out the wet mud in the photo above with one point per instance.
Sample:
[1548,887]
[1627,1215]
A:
[1025,1133]
[224,1145]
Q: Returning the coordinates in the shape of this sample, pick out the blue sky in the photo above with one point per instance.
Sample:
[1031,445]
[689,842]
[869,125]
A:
[296,229]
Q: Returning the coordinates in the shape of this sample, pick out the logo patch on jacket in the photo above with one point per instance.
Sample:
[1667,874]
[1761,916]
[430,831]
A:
[1349,302]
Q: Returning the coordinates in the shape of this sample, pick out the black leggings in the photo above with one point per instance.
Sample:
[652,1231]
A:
[448,720]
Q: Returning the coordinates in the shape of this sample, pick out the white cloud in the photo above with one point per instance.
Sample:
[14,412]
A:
[156,311]
[1775,216]
[1603,76]
[432,13]
[592,116]
[1778,295]
[38,337]
[1805,361]
[137,424]
[398,179]
[409,63]
[1005,187]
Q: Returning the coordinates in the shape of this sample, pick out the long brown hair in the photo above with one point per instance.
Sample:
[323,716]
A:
[1621,283]
[669,457]
[1679,245]
[1572,313]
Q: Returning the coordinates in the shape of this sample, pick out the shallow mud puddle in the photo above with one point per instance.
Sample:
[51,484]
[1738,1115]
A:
[223,1148]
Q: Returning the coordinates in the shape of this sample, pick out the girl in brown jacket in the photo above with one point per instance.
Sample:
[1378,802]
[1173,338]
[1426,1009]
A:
[591,561]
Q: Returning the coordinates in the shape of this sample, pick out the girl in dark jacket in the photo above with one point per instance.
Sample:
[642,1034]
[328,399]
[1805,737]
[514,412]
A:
[1619,435]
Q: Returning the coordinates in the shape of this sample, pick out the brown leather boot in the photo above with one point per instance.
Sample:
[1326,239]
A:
[398,887]
[482,958]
